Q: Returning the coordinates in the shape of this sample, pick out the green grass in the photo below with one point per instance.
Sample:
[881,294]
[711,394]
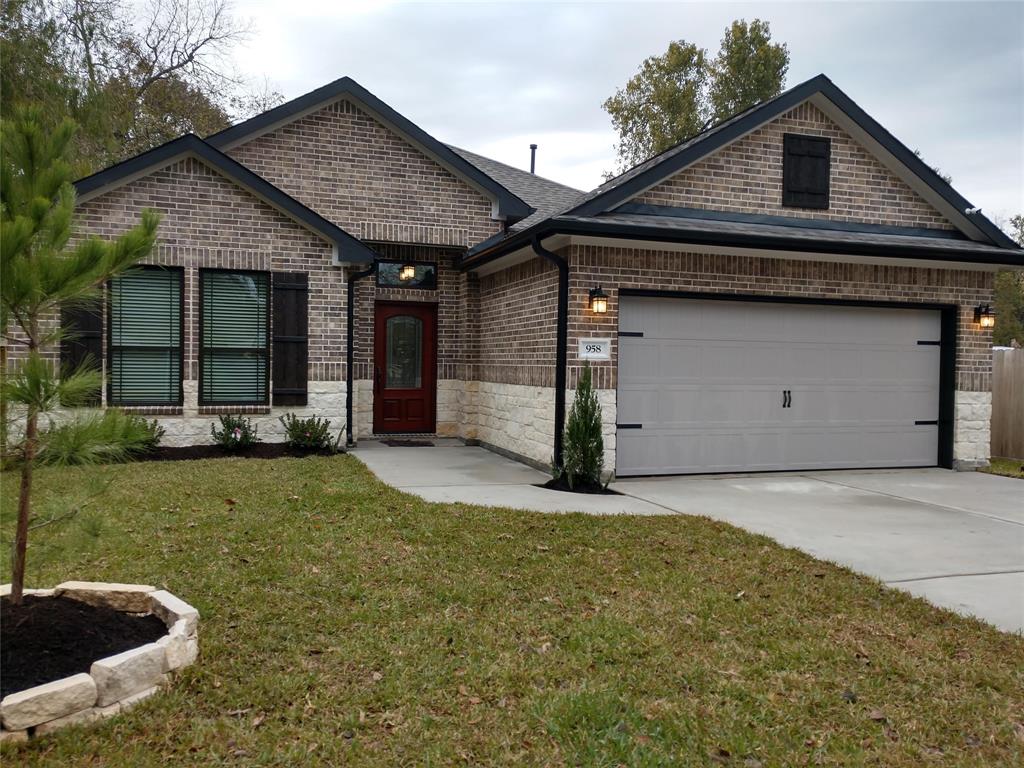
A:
[346,623]
[1006,467]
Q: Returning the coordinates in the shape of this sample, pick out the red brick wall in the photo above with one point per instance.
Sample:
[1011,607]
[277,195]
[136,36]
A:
[616,268]
[746,177]
[345,165]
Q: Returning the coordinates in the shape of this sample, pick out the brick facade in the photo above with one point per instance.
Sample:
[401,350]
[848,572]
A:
[651,269]
[356,172]
[518,315]
[209,222]
[746,177]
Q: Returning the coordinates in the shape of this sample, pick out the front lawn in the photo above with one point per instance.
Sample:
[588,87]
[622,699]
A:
[347,623]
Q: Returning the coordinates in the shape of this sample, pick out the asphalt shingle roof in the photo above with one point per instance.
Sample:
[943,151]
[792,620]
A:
[547,196]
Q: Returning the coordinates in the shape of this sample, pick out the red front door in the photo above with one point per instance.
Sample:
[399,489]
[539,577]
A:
[404,367]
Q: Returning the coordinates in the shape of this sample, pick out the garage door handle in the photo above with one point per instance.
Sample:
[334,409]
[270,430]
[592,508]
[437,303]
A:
[787,398]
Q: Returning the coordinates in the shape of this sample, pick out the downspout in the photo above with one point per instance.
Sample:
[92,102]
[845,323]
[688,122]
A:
[350,352]
[561,341]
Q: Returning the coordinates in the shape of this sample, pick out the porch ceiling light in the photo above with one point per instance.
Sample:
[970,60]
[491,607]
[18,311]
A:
[598,301]
[985,316]
[407,272]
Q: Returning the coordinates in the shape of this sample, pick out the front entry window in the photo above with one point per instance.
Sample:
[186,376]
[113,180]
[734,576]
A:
[404,352]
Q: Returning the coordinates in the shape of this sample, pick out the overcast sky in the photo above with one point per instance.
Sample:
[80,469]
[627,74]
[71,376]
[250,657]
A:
[946,78]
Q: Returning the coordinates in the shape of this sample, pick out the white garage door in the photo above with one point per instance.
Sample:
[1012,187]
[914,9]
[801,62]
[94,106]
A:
[733,386]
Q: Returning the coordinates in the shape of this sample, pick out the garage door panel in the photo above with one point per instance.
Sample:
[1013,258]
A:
[706,382]
[638,404]
[637,356]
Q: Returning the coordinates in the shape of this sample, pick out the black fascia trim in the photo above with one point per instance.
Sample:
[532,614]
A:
[700,148]
[355,250]
[644,209]
[765,242]
[509,205]
[948,319]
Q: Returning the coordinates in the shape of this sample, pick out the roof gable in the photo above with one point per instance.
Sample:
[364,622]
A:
[507,205]
[349,249]
[840,109]
[745,176]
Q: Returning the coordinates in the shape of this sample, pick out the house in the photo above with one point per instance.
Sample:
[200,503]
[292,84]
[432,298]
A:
[790,289]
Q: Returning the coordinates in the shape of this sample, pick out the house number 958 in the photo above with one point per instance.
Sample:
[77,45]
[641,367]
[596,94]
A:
[595,349]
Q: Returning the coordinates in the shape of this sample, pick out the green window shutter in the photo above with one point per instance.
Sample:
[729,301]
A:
[235,319]
[145,337]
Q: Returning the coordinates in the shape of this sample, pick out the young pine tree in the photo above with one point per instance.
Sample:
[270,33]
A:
[583,446]
[41,271]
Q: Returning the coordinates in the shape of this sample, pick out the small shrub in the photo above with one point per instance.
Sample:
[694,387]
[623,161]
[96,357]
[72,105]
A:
[235,433]
[97,438]
[583,446]
[151,431]
[310,434]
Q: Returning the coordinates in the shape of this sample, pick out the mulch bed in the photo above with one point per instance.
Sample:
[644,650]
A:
[562,484]
[257,451]
[47,638]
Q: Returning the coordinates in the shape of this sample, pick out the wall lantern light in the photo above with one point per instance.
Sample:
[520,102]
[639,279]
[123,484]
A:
[598,301]
[985,316]
[407,272]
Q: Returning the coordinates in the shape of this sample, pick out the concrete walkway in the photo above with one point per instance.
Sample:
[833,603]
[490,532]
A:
[453,472]
[954,538]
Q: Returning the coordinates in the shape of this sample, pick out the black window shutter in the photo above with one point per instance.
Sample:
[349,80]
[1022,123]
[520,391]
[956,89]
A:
[806,162]
[82,341]
[291,337]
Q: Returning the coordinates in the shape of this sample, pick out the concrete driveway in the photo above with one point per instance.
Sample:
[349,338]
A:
[954,538]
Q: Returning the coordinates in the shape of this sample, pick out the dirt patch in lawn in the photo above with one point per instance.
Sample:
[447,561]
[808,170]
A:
[47,638]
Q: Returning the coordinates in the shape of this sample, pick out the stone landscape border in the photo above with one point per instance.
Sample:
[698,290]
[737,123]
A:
[115,683]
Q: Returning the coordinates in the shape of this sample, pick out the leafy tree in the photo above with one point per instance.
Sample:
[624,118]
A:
[132,75]
[662,104]
[1009,297]
[748,69]
[42,270]
[676,95]
[583,451]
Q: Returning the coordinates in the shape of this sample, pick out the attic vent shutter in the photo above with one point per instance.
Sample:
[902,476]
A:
[291,337]
[805,171]
[82,342]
